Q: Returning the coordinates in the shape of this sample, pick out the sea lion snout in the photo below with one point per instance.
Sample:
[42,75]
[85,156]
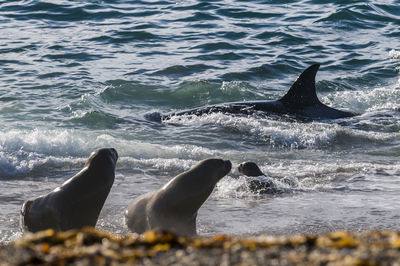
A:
[115,154]
[228,165]
[104,154]
[108,151]
[226,168]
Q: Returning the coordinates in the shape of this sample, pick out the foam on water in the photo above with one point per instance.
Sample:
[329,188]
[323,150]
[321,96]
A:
[291,134]
[394,54]
[239,187]
[379,98]
[301,176]
[14,165]
[24,151]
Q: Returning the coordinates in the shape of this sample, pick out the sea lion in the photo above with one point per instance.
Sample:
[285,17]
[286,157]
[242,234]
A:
[78,201]
[250,169]
[174,206]
[263,185]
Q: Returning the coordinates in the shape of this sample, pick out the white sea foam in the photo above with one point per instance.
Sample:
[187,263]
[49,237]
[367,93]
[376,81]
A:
[276,133]
[8,166]
[14,165]
[293,134]
[60,142]
[239,187]
[23,151]
[162,164]
[394,54]
[367,99]
[305,176]
[239,88]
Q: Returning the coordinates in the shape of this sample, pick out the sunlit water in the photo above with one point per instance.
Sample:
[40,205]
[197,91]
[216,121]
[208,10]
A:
[76,76]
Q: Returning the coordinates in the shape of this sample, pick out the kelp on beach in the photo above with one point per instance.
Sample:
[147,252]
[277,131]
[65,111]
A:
[90,246]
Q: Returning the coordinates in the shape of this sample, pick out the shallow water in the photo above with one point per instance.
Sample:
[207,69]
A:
[77,76]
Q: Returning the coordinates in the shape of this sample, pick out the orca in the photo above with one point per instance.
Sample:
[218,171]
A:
[300,101]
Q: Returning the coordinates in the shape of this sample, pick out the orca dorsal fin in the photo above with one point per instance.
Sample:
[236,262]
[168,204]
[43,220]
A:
[303,92]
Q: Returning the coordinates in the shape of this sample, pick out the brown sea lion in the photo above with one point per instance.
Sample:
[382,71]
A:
[78,201]
[174,206]
[261,186]
[250,169]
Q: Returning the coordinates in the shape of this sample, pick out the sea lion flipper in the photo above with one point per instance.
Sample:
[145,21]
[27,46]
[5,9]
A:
[24,221]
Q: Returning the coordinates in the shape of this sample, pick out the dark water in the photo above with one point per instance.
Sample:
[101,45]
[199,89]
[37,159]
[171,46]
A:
[76,76]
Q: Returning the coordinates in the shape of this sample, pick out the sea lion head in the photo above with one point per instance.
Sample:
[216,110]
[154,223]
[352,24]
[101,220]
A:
[199,181]
[102,158]
[249,169]
[218,167]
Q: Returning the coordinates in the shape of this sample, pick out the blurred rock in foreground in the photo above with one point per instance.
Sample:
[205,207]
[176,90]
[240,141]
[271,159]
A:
[92,247]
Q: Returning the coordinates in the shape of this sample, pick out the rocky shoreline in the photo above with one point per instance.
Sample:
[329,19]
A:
[92,247]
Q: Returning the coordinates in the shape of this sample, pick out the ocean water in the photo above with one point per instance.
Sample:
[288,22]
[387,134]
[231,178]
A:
[80,75]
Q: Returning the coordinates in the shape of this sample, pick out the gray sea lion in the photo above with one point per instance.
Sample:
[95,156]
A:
[174,206]
[78,201]
[262,186]
[301,101]
[250,169]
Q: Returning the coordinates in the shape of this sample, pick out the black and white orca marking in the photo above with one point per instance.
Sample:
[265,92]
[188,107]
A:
[300,101]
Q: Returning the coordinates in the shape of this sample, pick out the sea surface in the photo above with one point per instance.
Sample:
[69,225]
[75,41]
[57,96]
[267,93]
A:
[76,76]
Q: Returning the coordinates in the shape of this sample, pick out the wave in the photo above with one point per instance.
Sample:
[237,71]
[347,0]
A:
[366,100]
[179,70]
[97,120]
[339,93]
[121,37]
[278,132]
[24,152]
[41,10]
[185,95]
[306,177]
[365,16]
